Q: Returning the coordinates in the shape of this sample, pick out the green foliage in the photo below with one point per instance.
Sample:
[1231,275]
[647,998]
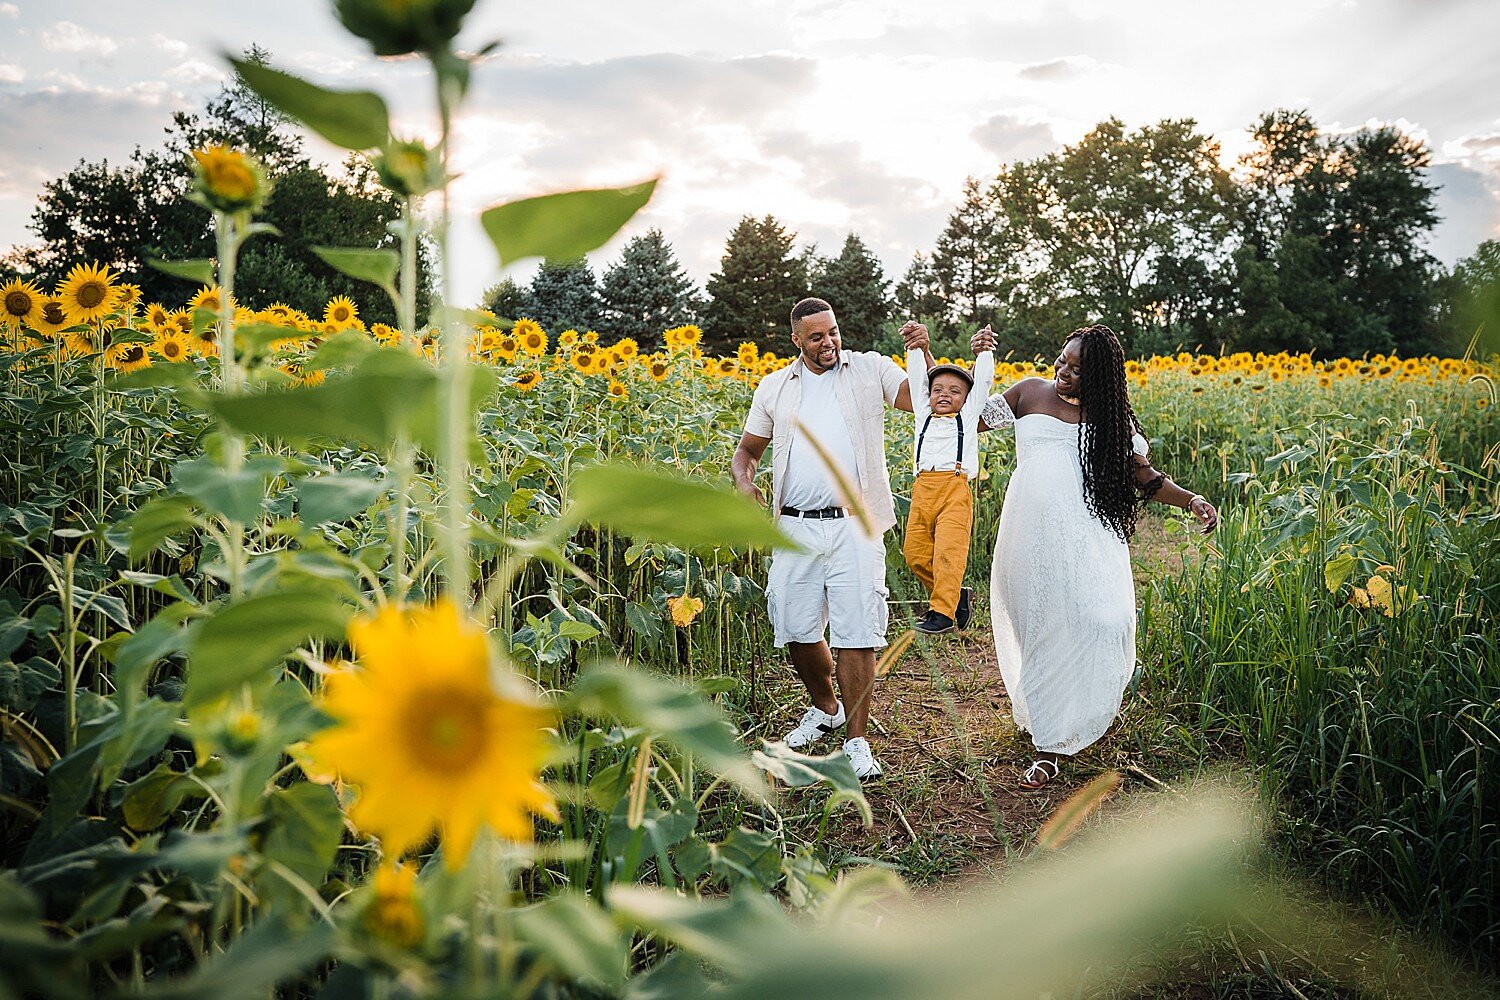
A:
[353,119]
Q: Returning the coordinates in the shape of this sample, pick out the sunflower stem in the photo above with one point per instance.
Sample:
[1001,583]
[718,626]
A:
[455,390]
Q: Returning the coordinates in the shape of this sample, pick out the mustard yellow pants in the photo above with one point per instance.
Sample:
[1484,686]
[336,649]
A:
[937,535]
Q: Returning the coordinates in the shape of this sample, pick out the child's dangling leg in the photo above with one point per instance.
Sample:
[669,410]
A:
[953,523]
[918,548]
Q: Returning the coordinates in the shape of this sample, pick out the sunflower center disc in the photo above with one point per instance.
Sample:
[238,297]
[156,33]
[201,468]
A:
[446,730]
[18,303]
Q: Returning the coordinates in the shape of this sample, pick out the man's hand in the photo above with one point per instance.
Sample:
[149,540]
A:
[984,340]
[915,335]
[752,491]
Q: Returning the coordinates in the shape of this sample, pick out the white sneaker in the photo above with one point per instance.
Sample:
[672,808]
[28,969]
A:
[815,725]
[862,758]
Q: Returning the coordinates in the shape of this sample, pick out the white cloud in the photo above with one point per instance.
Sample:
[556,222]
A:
[11,74]
[1010,137]
[9,10]
[65,36]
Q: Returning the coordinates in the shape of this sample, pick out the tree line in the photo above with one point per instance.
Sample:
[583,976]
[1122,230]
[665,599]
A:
[1314,241]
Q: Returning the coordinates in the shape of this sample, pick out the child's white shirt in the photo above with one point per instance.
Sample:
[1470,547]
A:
[938,435]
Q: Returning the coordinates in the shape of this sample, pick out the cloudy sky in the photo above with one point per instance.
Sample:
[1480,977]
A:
[834,115]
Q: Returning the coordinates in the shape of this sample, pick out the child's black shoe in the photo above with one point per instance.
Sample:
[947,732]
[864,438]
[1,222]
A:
[965,612]
[934,623]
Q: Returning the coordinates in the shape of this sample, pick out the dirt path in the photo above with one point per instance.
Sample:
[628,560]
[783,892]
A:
[942,730]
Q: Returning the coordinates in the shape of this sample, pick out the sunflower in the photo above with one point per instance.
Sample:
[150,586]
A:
[747,354]
[626,348]
[618,389]
[341,312]
[87,293]
[427,738]
[392,915]
[157,316]
[22,300]
[583,361]
[530,336]
[568,338]
[127,298]
[528,381]
[173,346]
[206,343]
[385,334]
[227,180]
[210,297]
[48,318]
[592,337]
[127,357]
[659,368]
[182,320]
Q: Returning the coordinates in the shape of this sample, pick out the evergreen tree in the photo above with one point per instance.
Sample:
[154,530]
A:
[507,299]
[967,258]
[564,295]
[752,293]
[855,285]
[919,294]
[1471,303]
[648,291]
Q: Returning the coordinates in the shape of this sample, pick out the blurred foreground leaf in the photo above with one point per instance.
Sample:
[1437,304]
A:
[666,508]
[562,226]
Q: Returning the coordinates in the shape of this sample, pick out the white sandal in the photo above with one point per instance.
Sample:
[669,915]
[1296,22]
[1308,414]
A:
[1036,775]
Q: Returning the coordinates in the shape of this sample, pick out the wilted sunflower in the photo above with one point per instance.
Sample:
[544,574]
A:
[530,337]
[87,293]
[21,299]
[127,357]
[427,739]
[528,381]
[48,318]
[684,609]
[173,346]
[340,312]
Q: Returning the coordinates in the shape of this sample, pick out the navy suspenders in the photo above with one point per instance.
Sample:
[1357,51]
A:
[959,458]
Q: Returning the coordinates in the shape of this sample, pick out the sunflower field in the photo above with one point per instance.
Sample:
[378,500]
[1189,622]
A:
[422,660]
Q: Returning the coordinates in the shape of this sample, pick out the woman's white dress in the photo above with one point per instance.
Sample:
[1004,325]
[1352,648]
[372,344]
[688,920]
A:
[1061,595]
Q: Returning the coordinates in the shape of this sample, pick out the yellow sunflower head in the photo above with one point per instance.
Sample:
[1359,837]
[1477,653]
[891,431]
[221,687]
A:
[127,299]
[341,312]
[210,297]
[158,316]
[528,381]
[21,299]
[385,334]
[530,336]
[128,357]
[592,337]
[618,389]
[48,318]
[429,741]
[659,368]
[173,346]
[87,293]
[227,180]
[392,914]
[626,348]
[568,338]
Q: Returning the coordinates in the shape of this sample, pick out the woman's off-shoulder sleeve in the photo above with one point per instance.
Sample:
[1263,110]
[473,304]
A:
[997,412]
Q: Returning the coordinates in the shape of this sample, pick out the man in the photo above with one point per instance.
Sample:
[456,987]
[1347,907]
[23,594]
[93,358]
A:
[832,400]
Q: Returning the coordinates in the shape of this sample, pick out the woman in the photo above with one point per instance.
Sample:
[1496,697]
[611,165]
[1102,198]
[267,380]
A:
[1061,595]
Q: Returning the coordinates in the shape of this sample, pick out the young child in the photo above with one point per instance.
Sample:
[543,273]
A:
[946,403]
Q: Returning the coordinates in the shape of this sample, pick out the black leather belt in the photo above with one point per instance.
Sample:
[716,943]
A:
[822,514]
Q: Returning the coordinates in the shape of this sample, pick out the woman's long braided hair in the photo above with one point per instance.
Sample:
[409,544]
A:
[1104,433]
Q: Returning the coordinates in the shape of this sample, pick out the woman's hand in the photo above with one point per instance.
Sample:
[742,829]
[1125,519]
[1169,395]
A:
[984,340]
[915,335]
[1204,512]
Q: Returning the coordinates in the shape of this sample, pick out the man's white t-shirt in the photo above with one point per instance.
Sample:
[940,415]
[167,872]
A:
[808,485]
